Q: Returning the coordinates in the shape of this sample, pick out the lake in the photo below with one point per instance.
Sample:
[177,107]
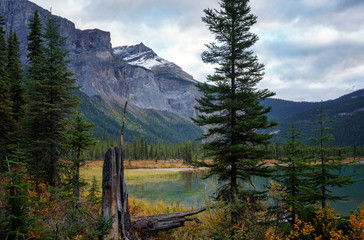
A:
[189,189]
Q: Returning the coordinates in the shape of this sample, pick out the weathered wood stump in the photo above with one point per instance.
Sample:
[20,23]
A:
[115,197]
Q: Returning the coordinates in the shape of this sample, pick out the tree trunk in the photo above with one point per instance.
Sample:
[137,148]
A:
[109,189]
[114,195]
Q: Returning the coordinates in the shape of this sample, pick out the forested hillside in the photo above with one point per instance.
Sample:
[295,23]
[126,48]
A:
[346,112]
[153,125]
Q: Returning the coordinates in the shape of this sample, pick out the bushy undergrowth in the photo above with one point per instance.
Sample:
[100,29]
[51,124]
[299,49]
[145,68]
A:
[257,221]
[56,216]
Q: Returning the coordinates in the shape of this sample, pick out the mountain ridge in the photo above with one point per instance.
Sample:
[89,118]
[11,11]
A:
[156,88]
[100,72]
[102,75]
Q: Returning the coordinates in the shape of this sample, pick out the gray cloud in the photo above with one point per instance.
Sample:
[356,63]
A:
[313,50]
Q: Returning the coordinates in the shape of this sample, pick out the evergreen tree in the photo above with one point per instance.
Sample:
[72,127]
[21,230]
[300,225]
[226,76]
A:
[35,104]
[3,57]
[151,152]
[278,154]
[127,151]
[17,208]
[325,173]
[134,148]
[59,93]
[141,148]
[6,118]
[355,151]
[165,150]
[187,153]
[146,149]
[231,105]
[34,38]
[52,101]
[291,172]
[76,139]
[15,77]
[94,192]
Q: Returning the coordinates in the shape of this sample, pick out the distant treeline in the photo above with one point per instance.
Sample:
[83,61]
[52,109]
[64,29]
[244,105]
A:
[278,151]
[140,149]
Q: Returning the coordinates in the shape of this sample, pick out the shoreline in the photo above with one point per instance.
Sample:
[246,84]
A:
[173,169]
[166,165]
[184,169]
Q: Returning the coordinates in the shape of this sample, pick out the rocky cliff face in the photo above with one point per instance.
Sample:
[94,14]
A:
[133,73]
[175,85]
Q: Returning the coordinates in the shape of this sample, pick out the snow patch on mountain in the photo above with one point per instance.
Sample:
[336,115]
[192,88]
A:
[139,55]
[146,62]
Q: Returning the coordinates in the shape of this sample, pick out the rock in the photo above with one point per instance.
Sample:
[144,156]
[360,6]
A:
[112,74]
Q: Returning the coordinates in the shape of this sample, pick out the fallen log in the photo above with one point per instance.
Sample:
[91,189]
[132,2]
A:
[163,222]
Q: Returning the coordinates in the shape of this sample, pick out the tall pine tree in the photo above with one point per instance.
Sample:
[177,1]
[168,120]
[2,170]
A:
[76,139]
[15,77]
[325,173]
[52,98]
[34,88]
[34,49]
[230,107]
[291,172]
[6,118]
[34,38]
[59,94]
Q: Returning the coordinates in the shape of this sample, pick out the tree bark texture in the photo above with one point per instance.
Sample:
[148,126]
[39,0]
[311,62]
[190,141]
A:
[163,222]
[114,196]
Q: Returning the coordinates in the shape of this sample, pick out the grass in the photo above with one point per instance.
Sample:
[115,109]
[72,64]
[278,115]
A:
[137,176]
[132,176]
[215,221]
[212,220]
[154,164]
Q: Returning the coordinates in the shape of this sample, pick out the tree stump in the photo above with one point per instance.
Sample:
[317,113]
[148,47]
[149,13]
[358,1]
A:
[115,197]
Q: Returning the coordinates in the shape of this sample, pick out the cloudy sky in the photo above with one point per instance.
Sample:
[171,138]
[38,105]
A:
[312,49]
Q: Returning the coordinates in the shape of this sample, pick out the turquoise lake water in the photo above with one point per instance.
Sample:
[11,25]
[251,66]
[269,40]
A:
[192,190]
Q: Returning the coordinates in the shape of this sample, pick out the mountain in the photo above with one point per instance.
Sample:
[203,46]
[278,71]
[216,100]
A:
[140,55]
[175,85]
[347,113]
[160,94]
[107,80]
